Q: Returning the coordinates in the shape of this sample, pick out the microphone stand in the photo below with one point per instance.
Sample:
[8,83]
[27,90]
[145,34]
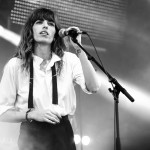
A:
[117,88]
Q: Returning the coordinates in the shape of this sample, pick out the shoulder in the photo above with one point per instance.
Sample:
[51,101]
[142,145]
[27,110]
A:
[13,63]
[68,56]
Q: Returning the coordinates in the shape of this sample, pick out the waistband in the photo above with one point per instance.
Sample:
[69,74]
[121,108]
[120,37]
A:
[44,124]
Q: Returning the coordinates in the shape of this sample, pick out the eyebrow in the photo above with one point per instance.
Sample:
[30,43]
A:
[46,20]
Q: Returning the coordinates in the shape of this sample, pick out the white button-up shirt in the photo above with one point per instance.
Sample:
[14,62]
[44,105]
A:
[14,86]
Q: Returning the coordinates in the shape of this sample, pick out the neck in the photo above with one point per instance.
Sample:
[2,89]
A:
[43,51]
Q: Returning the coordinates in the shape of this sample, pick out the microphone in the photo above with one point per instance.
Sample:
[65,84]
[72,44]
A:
[72,32]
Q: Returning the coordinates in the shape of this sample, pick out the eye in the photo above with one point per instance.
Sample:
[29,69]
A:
[50,23]
[39,22]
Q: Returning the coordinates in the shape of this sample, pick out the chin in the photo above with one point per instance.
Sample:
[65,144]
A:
[44,42]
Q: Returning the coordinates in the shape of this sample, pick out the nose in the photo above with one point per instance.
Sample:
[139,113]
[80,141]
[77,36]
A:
[45,24]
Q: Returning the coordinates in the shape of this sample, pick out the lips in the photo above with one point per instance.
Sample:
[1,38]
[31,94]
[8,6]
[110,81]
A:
[44,32]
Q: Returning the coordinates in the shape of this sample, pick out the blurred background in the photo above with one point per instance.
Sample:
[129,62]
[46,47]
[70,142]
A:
[120,30]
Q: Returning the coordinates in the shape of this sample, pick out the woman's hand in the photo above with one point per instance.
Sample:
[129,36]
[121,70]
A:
[49,116]
[78,37]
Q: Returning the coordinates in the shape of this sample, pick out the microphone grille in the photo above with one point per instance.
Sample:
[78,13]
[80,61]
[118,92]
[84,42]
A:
[62,33]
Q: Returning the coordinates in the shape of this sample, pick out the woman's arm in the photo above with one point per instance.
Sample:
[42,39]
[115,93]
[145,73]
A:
[91,78]
[13,116]
[16,116]
[8,92]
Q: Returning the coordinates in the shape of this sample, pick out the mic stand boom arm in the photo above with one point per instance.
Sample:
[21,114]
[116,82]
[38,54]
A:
[111,79]
[115,92]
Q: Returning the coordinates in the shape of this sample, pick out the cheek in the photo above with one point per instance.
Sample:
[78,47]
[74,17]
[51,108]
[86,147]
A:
[53,31]
[34,34]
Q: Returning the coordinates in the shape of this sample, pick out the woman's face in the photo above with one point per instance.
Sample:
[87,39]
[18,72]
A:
[44,31]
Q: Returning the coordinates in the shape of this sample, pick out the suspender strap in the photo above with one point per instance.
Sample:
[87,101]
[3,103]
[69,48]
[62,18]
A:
[54,86]
[30,97]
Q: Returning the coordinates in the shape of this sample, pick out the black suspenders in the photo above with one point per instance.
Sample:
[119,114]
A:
[54,86]
[30,97]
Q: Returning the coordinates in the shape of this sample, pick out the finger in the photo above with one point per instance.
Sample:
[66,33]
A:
[55,113]
[52,117]
[49,121]
[58,115]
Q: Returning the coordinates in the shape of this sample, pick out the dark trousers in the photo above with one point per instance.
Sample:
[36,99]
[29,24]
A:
[45,136]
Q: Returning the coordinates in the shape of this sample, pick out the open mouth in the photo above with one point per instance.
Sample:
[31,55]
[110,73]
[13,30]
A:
[44,33]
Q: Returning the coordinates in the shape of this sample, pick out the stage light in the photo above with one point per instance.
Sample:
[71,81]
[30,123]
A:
[141,97]
[103,20]
[10,36]
[77,138]
[86,140]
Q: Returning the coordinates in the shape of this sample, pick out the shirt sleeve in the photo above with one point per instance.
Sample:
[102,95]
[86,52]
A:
[78,75]
[8,87]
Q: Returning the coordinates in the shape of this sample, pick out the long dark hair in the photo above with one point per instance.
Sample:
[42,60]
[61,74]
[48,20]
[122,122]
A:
[26,45]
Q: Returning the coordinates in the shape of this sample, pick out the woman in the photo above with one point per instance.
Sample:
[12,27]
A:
[37,86]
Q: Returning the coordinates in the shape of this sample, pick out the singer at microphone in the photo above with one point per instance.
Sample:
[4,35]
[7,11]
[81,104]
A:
[46,72]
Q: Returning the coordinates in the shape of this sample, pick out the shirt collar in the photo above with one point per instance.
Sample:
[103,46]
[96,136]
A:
[38,60]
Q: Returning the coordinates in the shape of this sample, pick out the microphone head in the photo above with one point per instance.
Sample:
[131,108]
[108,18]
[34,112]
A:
[72,32]
[62,33]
